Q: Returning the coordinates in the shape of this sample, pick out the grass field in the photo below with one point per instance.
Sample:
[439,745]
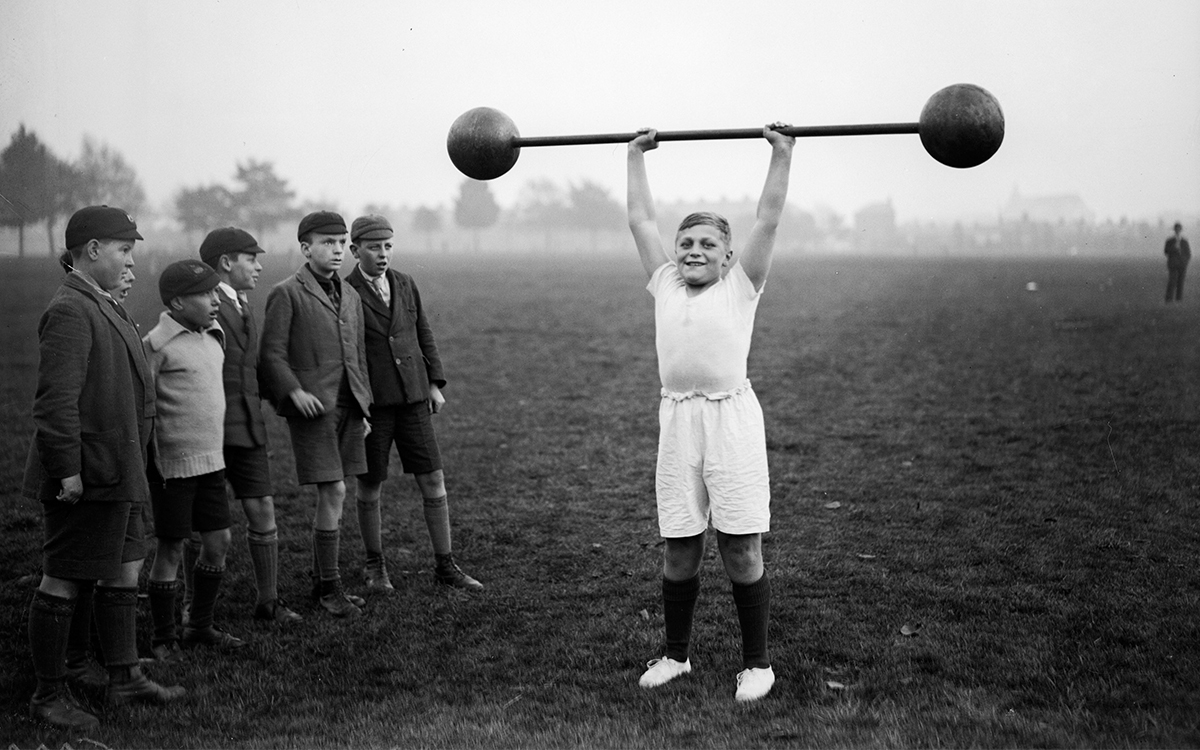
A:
[1012,475]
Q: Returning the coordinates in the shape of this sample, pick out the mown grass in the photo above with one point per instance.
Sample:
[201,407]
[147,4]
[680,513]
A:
[1015,477]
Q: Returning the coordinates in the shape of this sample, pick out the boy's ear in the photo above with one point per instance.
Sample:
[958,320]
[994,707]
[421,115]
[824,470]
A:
[175,304]
[92,249]
[225,263]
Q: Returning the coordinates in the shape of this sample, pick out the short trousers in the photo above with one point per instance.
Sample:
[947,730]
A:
[90,540]
[712,463]
[330,447]
[410,428]
[248,471]
[184,505]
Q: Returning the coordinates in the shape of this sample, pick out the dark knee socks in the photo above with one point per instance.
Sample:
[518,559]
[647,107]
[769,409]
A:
[116,623]
[264,555]
[49,628]
[162,610]
[753,607]
[79,643]
[679,605]
[208,584]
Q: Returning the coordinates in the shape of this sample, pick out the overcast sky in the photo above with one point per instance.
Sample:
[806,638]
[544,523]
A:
[352,100]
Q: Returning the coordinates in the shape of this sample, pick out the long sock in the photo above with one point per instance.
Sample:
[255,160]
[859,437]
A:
[162,610]
[49,628]
[325,548]
[754,608]
[204,602]
[116,623]
[264,555]
[79,643]
[679,605]
[370,523]
[437,520]
[191,556]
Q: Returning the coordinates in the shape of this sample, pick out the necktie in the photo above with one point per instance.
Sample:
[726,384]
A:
[244,308]
[380,289]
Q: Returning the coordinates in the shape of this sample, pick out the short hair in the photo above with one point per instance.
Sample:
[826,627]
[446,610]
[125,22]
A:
[713,220]
[1178,225]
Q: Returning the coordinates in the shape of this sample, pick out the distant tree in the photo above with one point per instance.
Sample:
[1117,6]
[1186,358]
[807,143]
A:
[202,209]
[104,177]
[475,208]
[542,204]
[427,221]
[592,207]
[264,199]
[28,178]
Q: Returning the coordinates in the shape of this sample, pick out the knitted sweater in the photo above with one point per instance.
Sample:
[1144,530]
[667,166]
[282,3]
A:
[189,428]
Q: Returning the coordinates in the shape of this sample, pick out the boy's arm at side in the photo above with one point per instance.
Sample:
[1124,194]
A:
[642,219]
[760,245]
[275,374]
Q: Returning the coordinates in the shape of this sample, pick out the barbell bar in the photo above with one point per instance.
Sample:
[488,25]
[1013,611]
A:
[961,126]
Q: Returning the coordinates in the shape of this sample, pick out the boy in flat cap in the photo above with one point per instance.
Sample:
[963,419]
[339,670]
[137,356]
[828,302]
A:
[406,386]
[313,369]
[187,476]
[92,417]
[233,254]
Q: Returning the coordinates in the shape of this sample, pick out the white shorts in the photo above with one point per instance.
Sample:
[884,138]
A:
[712,460]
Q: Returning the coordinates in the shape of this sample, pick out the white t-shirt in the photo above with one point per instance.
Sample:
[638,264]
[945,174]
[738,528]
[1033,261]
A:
[703,341]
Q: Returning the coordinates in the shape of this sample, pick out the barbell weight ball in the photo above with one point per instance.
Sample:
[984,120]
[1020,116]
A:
[962,125]
[480,143]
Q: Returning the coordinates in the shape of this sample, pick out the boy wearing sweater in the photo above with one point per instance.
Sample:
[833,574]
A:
[186,352]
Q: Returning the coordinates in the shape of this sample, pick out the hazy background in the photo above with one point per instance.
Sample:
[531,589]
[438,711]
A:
[352,100]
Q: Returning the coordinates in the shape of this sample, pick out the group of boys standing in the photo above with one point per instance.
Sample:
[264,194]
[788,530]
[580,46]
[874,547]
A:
[171,418]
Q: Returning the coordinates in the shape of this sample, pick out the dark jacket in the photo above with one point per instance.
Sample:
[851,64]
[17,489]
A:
[1178,253]
[94,409]
[402,357]
[307,343]
[244,424]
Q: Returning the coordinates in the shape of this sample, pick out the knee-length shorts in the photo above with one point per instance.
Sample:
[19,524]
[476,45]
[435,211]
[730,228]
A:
[712,463]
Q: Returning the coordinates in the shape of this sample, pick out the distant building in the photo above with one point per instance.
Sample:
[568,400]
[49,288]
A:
[1046,209]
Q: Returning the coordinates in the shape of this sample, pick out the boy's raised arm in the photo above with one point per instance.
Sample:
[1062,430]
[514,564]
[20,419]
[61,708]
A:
[756,258]
[642,220]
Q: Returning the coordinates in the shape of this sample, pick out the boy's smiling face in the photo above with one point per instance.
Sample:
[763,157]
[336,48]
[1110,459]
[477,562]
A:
[325,252]
[700,254]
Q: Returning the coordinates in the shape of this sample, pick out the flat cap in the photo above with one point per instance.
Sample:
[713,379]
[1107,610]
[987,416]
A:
[100,223]
[227,240]
[370,227]
[184,277]
[322,222]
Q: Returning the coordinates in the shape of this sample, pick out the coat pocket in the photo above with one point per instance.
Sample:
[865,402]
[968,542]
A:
[100,454]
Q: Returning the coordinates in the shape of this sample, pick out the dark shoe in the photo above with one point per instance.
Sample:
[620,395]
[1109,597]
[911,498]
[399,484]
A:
[357,601]
[448,573]
[212,638]
[164,653]
[339,604]
[376,576]
[276,612]
[61,710]
[87,673]
[141,689]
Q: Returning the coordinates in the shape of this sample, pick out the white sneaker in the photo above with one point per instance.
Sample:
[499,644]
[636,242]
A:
[661,671]
[754,683]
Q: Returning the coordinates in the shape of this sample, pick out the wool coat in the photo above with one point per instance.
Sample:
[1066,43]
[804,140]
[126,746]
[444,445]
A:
[245,426]
[402,357]
[93,413]
[310,344]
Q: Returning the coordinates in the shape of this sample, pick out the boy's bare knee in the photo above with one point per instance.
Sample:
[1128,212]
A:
[432,484]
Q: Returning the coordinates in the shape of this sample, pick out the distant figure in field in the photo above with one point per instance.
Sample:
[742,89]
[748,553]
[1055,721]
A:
[1178,254]
[712,453]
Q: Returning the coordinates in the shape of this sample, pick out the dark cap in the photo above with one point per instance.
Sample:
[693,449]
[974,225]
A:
[100,223]
[322,222]
[370,227]
[184,277]
[227,240]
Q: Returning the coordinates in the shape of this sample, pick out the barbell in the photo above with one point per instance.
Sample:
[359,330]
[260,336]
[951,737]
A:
[961,126]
